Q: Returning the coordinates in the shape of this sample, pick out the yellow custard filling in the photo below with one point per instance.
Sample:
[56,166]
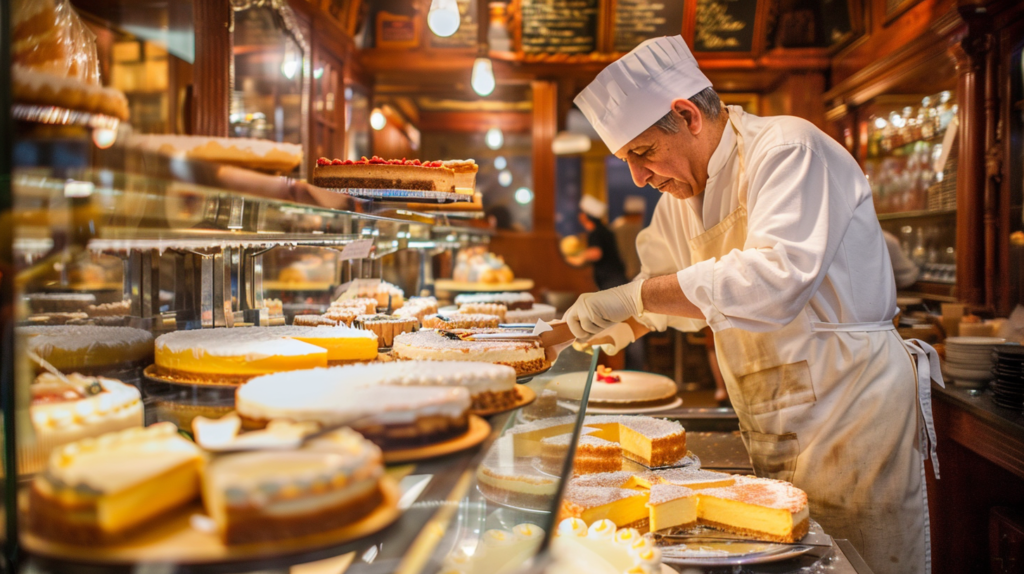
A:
[344,348]
[294,355]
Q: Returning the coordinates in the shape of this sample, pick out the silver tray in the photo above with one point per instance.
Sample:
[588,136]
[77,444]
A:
[705,546]
[404,195]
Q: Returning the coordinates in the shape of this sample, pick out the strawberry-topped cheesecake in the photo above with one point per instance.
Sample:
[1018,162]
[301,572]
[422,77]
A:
[378,173]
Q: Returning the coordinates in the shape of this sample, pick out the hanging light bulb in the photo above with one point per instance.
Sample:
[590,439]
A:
[483,77]
[505,178]
[494,138]
[500,162]
[443,18]
[377,119]
[523,195]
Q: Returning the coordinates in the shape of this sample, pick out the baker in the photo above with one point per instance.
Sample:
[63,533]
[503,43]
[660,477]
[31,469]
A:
[766,232]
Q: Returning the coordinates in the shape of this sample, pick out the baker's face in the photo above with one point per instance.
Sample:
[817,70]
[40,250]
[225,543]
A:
[672,163]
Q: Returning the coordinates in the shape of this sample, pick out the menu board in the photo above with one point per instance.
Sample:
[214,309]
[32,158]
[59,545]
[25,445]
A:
[465,36]
[640,20]
[559,26]
[725,26]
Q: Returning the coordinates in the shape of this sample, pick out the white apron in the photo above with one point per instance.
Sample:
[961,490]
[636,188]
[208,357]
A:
[833,408]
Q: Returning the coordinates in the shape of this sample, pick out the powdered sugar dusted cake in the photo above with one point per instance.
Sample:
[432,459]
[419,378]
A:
[523,356]
[461,321]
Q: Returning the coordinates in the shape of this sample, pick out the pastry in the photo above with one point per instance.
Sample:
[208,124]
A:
[90,350]
[465,174]
[346,315]
[100,490]
[274,307]
[391,416]
[417,307]
[593,454]
[603,549]
[770,510]
[386,327]
[544,407]
[313,321]
[365,305]
[265,496]
[377,173]
[672,506]
[234,355]
[512,301]
[64,412]
[385,294]
[498,552]
[650,441]
[484,309]
[477,265]
[523,356]
[119,308]
[51,319]
[631,389]
[460,320]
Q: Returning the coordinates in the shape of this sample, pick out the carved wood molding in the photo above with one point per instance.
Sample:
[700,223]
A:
[212,69]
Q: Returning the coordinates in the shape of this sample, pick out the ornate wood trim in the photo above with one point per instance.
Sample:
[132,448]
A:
[211,93]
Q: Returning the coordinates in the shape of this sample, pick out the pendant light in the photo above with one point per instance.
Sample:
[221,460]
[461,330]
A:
[377,119]
[443,18]
[482,79]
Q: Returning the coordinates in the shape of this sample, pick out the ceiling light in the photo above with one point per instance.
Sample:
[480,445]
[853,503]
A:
[880,123]
[494,138]
[443,18]
[377,119]
[505,178]
[483,77]
[523,195]
[500,162]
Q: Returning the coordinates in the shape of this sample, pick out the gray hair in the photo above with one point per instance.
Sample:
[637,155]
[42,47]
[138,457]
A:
[706,100]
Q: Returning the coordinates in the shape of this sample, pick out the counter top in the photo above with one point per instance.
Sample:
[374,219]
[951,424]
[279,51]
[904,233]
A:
[978,402]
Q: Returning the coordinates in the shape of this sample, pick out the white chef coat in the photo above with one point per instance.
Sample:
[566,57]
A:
[813,236]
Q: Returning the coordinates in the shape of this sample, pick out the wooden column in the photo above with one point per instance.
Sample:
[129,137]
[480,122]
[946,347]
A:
[211,92]
[545,124]
[970,184]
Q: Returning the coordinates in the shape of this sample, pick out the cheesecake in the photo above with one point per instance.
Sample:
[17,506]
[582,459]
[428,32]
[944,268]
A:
[496,309]
[102,490]
[603,496]
[593,454]
[89,349]
[762,508]
[672,506]
[694,478]
[461,320]
[650,441]
[524,356]
[264,496]
[378,173]
[514,481]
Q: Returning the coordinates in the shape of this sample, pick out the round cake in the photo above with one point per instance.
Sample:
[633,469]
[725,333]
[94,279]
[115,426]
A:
[234,355]
[525,357]
[539,312]
[461,321]
[392,416]
[633,389]
[89,349]
[64,412]
[511,301]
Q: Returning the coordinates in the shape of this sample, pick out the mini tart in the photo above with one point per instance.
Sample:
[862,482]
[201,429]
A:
[383,293]
[386,327]
[63,413]
[525,357]
[392,416]
[265,496]
[511,301]
[102,490]
[233,355]
[460,320]
[345,315]
[604,548]
[88,349]
[377,173]
[417,307]
[496,309]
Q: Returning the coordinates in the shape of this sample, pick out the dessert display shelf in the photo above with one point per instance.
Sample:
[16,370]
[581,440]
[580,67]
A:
[404,195]
[62,116]
[478,431]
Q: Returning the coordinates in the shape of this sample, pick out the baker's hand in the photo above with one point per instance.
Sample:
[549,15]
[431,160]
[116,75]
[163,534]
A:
[595,312]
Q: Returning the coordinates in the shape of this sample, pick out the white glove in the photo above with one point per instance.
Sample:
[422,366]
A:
[621,335]
[595,312]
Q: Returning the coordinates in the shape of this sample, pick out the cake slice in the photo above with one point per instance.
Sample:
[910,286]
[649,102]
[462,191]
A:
[765,509]
[672,507]
[623,506]
[694,478]
[593,454]
[98,491]
[262,496]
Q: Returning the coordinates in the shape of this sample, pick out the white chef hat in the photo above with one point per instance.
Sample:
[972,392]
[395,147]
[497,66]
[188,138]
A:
[593,206]
[634,204]
[636,90]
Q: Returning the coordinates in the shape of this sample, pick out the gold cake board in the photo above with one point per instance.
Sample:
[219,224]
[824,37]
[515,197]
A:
[526,396]
[172,539]
[479,430]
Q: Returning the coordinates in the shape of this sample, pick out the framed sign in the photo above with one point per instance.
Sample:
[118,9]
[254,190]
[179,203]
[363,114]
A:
[559,26]
[725,26]
[640,20]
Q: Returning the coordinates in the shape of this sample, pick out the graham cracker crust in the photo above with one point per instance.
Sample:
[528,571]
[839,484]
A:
[185,377]
[421,432]
[251,525]
[490,401]
[799,531]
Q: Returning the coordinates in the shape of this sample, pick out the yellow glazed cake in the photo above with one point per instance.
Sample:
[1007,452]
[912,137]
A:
[89,349]
[234,355]
[80,408]
[264,496]
[100,490]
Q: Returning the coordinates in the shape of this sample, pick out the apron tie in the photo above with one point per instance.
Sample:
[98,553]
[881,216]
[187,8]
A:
[928,368]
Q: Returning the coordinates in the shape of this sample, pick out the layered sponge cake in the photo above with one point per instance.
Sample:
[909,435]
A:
[234,355]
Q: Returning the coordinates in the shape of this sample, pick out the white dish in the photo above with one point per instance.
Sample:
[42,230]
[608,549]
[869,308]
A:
[969,374]
[974,341]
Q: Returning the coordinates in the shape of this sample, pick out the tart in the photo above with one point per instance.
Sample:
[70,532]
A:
[417,307]
[513,480]
[386,327]
[99,491]
[672,506]
[265,496]
[378,173]
[632,389]
[650,441]
[525,357]
[765,509]
[593,454]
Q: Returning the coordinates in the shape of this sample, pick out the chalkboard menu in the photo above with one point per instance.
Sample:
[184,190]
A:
[559,26]
[835,20]
[725,25]
[639,20]
[465,36]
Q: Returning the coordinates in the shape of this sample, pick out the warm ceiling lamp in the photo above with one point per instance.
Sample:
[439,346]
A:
[377,119]
[482,79]
[494,138]
[443,18]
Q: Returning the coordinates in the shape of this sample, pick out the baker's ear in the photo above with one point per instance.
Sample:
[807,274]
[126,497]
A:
[689,113]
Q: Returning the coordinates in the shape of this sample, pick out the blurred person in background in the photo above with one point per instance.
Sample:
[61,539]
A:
[626,227]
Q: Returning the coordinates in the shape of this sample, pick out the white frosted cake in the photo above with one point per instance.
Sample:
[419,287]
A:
[390,416]
[523,356]
[633,389]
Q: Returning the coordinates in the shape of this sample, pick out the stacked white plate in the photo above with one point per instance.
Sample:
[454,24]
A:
[969,359]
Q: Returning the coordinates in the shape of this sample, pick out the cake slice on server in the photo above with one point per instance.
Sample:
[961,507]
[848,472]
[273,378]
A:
[672,506]
[762,508]
[378,173]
